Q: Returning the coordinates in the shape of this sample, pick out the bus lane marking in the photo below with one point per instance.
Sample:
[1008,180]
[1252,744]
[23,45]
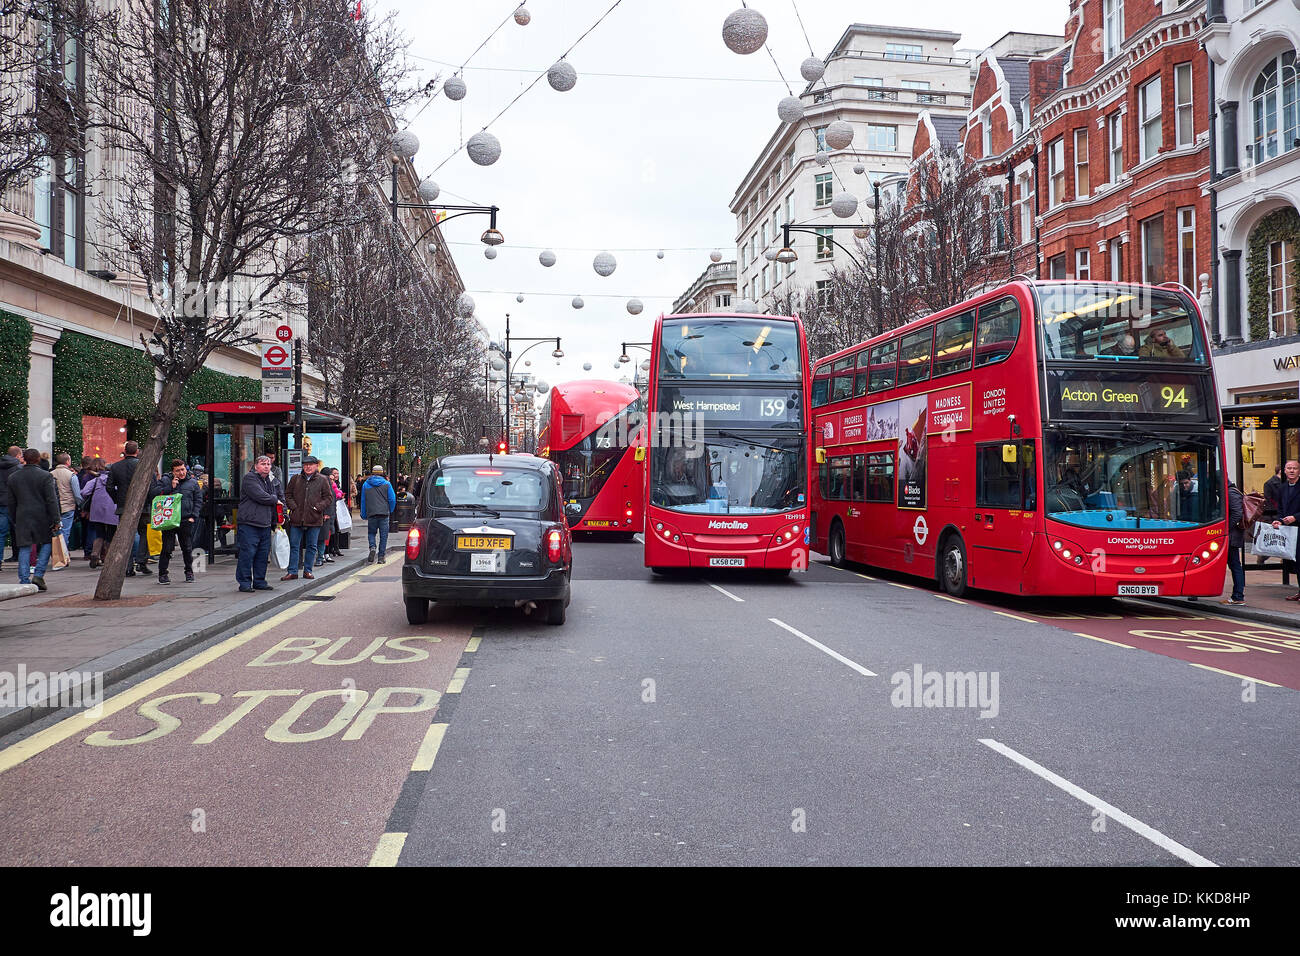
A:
[1104,641]
[457,682]
[1114,813]
[1017,617]
[1253,680]
[945,597]
[824,649]
[727,593]
[428,751]
[388,850]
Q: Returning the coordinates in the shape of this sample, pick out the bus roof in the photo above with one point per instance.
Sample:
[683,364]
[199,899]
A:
[728,315]
[593,401]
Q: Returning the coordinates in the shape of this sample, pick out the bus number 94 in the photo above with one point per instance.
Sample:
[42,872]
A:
[1172,397]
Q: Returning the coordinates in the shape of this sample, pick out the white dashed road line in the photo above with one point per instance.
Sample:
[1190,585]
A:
[1119,816]
[727,593]
[823,648]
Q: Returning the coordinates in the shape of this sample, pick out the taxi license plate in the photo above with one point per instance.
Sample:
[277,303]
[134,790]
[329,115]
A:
[597,524]
[726,562]
[1139,590]
[465,542]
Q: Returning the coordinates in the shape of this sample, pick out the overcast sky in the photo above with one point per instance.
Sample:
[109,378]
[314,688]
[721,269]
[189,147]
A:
[643,160]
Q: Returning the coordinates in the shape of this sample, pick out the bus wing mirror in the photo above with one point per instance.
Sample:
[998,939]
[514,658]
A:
[1009,454]
[821,456]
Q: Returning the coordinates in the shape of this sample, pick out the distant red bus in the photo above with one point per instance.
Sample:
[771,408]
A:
[1046,438]
[590,430]
[727,410]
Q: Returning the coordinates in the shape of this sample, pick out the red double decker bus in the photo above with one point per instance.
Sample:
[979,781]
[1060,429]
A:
[1046,438]
[727,414]
[591,430]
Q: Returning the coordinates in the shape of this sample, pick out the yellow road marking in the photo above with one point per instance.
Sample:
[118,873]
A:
[473,644]
[71,726]
[334,589]
[372,569]
[865,577]
[389,849]
[1017,617]
[944,597]
[429,747]
[1103,640]
[1253,680]
[457,683]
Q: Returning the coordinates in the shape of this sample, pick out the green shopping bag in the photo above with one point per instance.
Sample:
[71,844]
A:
[165,514]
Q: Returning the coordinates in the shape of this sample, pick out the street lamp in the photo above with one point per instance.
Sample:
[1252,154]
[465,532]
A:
[557,353]
[625,358]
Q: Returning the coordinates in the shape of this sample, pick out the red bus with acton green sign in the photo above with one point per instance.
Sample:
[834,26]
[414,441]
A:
[727,483]
[1044,438]
[589,429]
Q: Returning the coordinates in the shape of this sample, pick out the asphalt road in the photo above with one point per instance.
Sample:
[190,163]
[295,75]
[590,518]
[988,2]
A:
[730,719]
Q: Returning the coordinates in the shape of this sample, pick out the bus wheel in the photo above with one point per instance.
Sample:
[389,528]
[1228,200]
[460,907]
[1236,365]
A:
[836,545]
[952,566]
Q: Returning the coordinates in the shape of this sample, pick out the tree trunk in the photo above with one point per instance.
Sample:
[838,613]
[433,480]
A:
[119,554]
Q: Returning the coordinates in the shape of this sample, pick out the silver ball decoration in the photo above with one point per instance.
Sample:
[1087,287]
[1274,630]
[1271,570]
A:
[483,148]
[715,256]
[634,306]
[562,76]
[839,135]
[744,31]
[528,363]
[454,88]
[604,264]
[746,306]
[859,169]
[790,109]
[465,305]
[522,16]
[660,254]
[645,365]
[845,205]
[812,69]
[489,253]
[862,233]
[577,302]
[406,144]
[547,258]
[822,157]
[498,364]
[519,297]
[770,255]
[586,366]
[428,190]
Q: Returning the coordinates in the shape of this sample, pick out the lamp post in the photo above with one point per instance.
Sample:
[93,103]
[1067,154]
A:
[788,255]
[405,145]
[508,354]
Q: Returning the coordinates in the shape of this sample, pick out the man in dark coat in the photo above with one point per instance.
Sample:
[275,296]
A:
[119,479]
[1288,504]
[259,493]
[310,497]
[1236,545]
[179,482]
[9,463]
[34,504]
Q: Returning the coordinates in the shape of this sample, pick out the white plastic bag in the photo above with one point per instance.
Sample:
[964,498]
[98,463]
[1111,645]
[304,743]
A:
[343,517]
[1274,542]
[280,547]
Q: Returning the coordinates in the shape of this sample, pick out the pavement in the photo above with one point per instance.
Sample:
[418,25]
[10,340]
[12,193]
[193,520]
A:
[63,631]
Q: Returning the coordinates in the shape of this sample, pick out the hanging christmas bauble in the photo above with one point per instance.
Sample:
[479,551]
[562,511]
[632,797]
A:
[428,190]
[519,297]
[604,264]
[822,157]
[660,254]
[547,258]
[577,302]
[562,76]
[790,109]
[715,256]
[454,88]
[812,69]
[844,205]
[586,366]
[859,169]
[634,306]
[744,31]
[839,135]
[770,255]
[522,16]
[483,148]
[489,253]
[406,144]
[465,305]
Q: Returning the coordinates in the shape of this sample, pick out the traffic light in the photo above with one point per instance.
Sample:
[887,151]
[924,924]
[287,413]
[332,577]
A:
[501,447]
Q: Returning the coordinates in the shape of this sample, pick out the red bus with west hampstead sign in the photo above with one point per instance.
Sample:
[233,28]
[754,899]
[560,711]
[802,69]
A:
[1047,438]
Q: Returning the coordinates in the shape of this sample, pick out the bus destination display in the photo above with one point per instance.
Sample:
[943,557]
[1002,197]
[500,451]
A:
[719,408]
[1073,394]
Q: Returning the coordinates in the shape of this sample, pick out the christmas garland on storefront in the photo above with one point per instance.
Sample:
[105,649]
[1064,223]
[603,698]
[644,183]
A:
[15,365]
[1280,226]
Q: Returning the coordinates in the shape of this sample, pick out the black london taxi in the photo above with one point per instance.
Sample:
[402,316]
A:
[489,531]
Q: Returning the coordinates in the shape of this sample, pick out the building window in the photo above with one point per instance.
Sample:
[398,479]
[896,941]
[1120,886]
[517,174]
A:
[1116,260]
[882,138]
[1275,108]
[744,255]
[1056,172]
[1184,130]
[1113,15]
[766,280]
[824,188]
[902,51]
[868,81]
[1153,250]
[1149,119]
[820,131]
[824,248]
[823,293]
[1115,133]
[753,248]
[1082,185]
[1281,288]
[1082,265]
[789,208]
[986,133]
[997,220]
[1056,267]
[1026,207]
[916,84]
[762,235]
[1187,247]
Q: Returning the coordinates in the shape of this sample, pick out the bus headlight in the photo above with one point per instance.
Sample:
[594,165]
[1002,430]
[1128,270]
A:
[1214,546]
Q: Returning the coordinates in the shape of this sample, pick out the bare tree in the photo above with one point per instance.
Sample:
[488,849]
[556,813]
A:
[231,127]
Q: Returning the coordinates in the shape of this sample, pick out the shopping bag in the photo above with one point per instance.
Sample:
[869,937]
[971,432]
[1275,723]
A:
[342,516]
[154,538]
[1274,542]
[280,548]
[165,514]
[1252,507]
[58,553]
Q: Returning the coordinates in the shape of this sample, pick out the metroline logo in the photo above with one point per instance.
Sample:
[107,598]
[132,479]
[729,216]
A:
[729,525]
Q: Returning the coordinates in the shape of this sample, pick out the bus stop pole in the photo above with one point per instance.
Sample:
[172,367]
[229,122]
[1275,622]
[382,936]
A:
[297,397]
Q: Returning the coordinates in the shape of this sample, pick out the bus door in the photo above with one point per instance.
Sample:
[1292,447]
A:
[1006,502]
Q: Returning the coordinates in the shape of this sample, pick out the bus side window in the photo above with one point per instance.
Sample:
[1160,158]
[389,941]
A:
[997,332]
[882,367]
[914,351]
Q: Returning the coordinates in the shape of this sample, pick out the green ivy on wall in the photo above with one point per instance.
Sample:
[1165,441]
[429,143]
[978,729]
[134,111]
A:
[95,377]
[1280,226]
[15,364]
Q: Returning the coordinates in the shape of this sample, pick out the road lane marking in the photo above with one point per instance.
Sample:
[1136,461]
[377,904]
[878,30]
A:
[1241,621]
[429,747]
[822,647]
[945,597]
[1017,617]
[1253,680]
[1104,641]
[71,726]
[457,683]
[1119,816]
[473,644]
[865,577]
[905,587]
[334,589]
[727,593]
[639,537]
[389,849]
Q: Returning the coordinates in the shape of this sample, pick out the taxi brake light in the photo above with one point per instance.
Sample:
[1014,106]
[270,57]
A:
[413,545]
[487,471]
[553,542]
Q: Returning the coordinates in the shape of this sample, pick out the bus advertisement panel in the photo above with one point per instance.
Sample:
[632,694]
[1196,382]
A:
[1056,438]
[728,411]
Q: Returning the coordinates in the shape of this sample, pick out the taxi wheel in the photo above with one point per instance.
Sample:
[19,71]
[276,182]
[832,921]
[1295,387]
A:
[417,610]
[555,612]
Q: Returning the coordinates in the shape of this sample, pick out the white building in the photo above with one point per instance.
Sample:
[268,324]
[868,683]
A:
[714,290]
[878,80]
[1252,48]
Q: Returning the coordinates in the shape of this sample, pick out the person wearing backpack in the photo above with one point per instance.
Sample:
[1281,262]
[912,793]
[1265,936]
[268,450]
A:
[1236,544]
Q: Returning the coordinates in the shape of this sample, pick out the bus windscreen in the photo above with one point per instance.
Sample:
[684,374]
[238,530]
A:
[1116,325]
[730,348]
[727,474]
